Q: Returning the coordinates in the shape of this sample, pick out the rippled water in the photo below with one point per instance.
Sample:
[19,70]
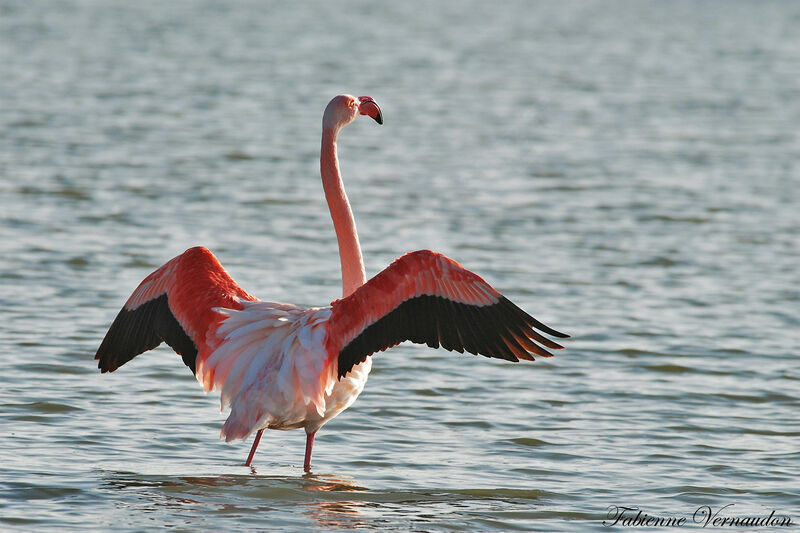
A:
[627,172]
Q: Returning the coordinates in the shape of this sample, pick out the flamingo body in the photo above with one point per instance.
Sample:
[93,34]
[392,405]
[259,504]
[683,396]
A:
[283,366]
[267,359]
[273,370]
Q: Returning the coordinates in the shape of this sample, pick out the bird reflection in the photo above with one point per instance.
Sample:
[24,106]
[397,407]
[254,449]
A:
[332,511]
[330,483]
[330,501]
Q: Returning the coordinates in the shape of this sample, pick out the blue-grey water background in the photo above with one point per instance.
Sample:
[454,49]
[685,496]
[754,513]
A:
[625,171]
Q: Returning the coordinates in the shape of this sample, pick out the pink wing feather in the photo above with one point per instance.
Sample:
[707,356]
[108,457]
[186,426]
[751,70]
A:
[428,298]
[175,304]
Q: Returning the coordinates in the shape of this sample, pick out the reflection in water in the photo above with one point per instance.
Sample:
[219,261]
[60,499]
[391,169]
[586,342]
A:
[335,514]
[324,499]
[338,515]
[331,483]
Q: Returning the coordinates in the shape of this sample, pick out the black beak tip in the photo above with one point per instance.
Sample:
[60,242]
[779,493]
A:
[379,118]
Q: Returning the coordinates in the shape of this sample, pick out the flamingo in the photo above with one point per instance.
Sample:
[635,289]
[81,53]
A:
[283,366]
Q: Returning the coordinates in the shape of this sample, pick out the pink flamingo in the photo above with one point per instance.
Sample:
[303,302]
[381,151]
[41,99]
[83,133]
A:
[282,366]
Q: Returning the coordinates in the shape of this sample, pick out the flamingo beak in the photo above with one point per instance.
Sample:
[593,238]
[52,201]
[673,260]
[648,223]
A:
[367,106]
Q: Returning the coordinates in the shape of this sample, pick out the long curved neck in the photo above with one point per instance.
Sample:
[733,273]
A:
[353,275]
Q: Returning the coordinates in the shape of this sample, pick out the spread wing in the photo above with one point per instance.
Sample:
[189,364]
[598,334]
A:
[428,298]
[175,304]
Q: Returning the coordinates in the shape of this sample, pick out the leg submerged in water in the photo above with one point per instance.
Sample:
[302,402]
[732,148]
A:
[253,449]
[309,445]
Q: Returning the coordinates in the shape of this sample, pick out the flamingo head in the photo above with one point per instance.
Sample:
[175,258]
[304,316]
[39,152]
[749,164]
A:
[344,109]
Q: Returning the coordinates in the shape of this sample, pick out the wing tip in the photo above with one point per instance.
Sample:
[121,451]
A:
[104,365]
[534,322]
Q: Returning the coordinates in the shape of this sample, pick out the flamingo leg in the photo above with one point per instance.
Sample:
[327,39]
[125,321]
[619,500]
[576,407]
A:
[253,449]
[309,445]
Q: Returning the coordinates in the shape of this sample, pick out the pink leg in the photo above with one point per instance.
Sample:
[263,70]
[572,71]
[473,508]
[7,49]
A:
[309,445]
[253,449]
